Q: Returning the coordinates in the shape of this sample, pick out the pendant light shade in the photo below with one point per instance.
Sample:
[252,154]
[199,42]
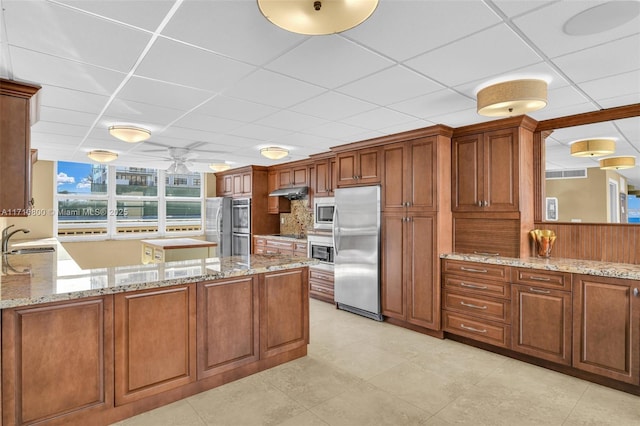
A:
[512,98]
[219,167]
[129,134]
[274,152]
[178,168]
[593,147]
[317,17]
[618,163]
[102,156]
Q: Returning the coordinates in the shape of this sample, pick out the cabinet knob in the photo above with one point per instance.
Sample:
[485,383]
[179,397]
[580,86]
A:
[636,292]
[479,203]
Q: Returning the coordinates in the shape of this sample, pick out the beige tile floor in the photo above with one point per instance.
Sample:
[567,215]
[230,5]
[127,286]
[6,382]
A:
[361,372]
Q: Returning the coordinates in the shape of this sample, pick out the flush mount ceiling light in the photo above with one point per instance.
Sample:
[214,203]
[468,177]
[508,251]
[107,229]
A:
[593,147]
[129,133]
[219,167]
[315,17]
[102,156]
[512,98]
[274,152]
[618,163]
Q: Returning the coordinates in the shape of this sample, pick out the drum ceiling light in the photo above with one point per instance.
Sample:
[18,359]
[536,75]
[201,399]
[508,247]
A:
[129,133]
[593,147]
[317,17]
[102,156]
[219,167]
[514,97]
[274,152]
[618,163]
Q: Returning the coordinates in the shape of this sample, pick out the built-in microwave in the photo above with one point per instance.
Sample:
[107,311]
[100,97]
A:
[320,248]
[323,208]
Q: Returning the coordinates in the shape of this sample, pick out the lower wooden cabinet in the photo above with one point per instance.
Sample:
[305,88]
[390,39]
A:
[606,327]
[284,311]
[321,284]
[57,361]
[155,341]
[228,330]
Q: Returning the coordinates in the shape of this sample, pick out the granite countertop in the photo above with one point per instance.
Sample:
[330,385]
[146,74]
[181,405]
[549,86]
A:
[284,237]
[626,271]
[32,279]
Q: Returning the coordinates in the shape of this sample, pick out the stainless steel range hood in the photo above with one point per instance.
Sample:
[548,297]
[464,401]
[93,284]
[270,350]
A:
[294,193]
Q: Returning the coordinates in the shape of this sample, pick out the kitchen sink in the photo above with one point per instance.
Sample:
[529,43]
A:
[32,250]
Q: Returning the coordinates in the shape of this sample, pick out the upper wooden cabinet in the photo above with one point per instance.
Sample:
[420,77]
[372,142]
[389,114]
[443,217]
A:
[294,176]
[15,147]
[485,172]
[276,205]
[324,178]
[360,167]
[236,183]
[410,177]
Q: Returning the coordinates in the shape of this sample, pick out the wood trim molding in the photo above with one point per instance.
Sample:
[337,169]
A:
[616,113]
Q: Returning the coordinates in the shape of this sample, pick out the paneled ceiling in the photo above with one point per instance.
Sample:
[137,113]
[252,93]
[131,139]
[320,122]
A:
[219,79]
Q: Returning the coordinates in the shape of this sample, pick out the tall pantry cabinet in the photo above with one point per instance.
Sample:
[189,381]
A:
[416,226]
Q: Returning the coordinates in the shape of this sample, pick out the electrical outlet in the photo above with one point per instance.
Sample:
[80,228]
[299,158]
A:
[282,220]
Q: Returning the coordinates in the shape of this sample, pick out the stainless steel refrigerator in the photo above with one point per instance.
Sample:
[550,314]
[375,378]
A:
[356,234]
[218,226]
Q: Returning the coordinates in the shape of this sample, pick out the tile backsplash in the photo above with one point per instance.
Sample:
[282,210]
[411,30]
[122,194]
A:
[299,221]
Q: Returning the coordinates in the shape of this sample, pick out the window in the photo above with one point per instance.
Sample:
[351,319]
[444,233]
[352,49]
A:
[112,201]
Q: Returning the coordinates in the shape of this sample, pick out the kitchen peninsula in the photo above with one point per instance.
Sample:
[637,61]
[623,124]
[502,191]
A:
[97,346]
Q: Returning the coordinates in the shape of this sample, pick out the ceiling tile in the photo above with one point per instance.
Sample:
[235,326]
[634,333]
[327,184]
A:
[179,63]
[258,132]
[490,52]
[65,116]
[626,84]
[73,100]
[434,104]
[513,8]
[225,107]
[147,14]
[162,94]
[208,123]
[290,120]
[379,118]
[147,116]
[66,33]
[332,106]
[335,130]
[347,62]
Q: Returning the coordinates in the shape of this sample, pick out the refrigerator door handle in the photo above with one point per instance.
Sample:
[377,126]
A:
[336,233]
[219,223]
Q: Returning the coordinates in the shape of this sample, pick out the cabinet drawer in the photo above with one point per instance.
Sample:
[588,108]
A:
[473,328]
[260,241]
[320,275]
[547,279]
[493,309]
[302,247]
[321,287]
[470,285]
[285,245]
[477,270]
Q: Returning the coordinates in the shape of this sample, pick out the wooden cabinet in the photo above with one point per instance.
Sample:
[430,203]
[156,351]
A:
[284,311]
[228,328]
[410,177]
[155,341]
[276,205]
[295,176]
[224,185]
[541,321]
[57,361]
[606,327]
[235,183]
[410,285]
[266,245]
[359,167]
[324,177]
[15,147]
[321,284]
[477,301]
[242,184]
[485,172]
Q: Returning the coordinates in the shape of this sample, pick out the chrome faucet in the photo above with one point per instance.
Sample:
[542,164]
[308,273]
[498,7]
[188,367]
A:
[6,235]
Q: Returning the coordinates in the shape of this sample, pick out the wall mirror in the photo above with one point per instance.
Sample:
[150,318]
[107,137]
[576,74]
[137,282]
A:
[575,189]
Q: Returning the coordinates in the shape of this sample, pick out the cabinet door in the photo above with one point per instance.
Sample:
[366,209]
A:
[299,176]
[541,322]
[500,177]
[393,271]
[284,311]
[422,177]
[284,178]
[346,164]
[227,325]
[155,342]
[606,327]
[237,184]
[246,184]
[322,178]
[423,287]
[368,166]
[57,361]
[276,205]
[394,192]
[467,169]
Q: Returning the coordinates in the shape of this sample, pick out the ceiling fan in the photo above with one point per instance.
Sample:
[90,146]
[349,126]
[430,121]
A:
[182,159]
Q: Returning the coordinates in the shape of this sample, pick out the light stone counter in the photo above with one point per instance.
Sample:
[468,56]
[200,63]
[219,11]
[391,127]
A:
[32,279]
[575,266]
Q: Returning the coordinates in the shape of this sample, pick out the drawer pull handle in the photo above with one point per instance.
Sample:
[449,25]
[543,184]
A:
[539,278]
[469,305]
[472,329]
[484,253]
[477,287]
[535,290]
[482,271]
[636,292]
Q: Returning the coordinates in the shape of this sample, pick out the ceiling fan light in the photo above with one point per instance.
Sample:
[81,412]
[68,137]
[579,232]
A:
[181,169]
[129,134]
[618,163]
[593,147]
[514,97]
[102,156]
[274,152]
[219,167]
[317,17]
